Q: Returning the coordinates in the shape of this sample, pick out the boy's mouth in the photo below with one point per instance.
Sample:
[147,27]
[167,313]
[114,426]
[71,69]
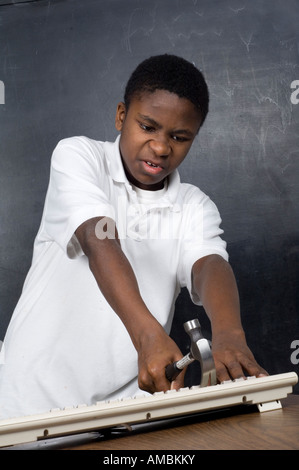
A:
[152,168]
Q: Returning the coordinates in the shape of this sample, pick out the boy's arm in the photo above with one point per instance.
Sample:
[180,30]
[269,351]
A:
[214,282]
[118,284]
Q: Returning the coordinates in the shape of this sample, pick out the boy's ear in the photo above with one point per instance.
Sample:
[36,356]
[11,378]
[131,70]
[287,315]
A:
[120,116]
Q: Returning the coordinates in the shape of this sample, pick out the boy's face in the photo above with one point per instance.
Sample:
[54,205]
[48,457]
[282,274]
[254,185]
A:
[157,132]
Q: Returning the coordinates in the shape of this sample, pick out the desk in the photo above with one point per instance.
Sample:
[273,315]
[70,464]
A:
[232,429]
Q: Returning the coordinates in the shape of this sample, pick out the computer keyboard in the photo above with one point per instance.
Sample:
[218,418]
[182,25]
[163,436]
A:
[265,392]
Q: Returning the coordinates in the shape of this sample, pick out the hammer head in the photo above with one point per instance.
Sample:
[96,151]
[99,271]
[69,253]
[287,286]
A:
[200,351]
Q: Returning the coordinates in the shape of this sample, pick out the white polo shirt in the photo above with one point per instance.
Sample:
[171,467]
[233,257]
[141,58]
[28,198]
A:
[65,345]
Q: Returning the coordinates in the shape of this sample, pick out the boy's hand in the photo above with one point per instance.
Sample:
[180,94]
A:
[233,358]
[156,352]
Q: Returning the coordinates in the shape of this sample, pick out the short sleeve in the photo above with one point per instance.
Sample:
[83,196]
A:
[77,192]
[202,237]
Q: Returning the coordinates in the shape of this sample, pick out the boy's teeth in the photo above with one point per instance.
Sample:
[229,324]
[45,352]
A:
[151,164]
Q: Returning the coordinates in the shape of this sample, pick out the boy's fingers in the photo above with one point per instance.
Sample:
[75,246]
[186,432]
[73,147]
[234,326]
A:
[235,369]
[153,381]
[178,382]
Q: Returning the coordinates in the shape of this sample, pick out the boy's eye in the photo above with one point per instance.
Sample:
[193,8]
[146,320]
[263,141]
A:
[177,138]
[146,128]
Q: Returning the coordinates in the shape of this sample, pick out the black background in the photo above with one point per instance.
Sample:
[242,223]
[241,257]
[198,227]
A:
[65,64]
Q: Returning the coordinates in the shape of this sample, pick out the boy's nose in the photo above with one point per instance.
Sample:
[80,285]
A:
[160,147]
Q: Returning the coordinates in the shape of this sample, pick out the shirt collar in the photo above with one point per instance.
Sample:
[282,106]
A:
[117,173]
[114,161]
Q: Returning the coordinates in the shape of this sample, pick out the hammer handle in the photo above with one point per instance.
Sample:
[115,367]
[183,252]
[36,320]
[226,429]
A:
[173,370]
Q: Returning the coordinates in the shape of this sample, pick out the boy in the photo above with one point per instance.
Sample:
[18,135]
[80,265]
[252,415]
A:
[119,237]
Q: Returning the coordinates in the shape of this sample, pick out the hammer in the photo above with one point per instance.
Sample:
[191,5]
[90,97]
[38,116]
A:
[199,351]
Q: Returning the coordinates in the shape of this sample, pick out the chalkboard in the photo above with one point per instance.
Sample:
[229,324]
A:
[63,68]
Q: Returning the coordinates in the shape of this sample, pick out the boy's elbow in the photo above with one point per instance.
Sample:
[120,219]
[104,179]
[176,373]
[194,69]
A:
[94,233]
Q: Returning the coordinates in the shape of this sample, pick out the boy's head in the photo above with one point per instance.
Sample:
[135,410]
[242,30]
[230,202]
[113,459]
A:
[173,74]
[166,102]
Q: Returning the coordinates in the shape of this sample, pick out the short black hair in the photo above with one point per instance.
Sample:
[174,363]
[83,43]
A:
[173,74]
